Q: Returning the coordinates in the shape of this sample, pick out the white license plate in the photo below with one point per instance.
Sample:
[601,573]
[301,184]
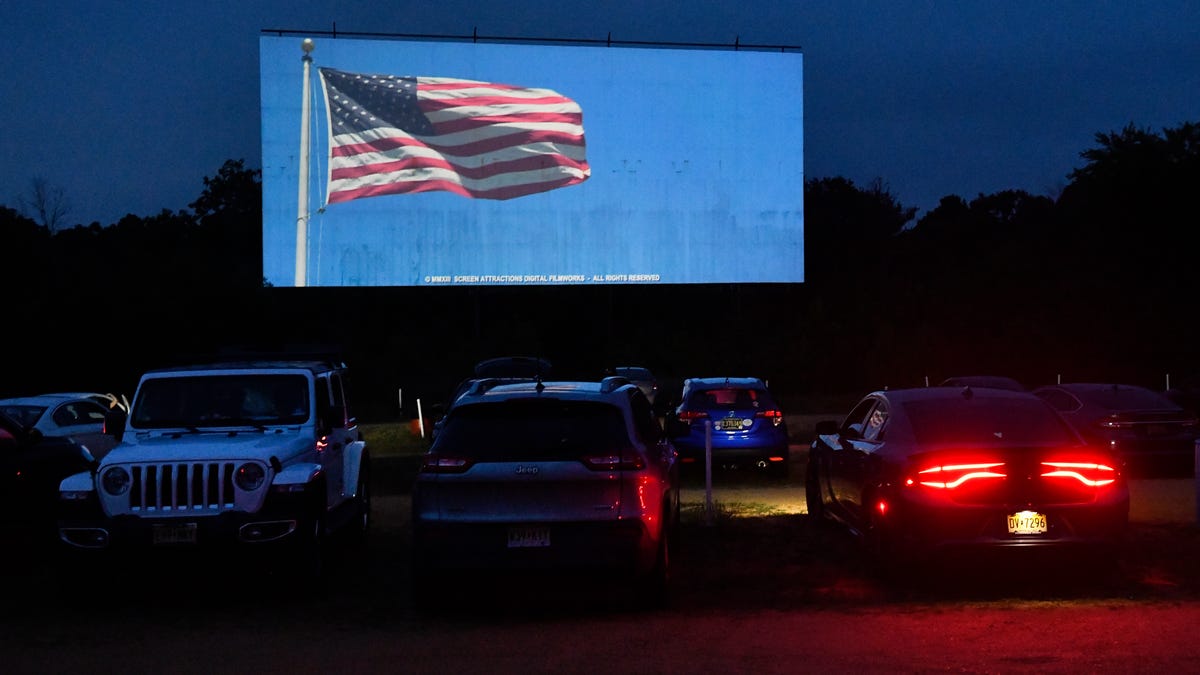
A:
[528,537]
[176,533]
[731,424]
[1027,522]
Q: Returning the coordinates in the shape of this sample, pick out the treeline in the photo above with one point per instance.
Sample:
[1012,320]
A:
[1094,283]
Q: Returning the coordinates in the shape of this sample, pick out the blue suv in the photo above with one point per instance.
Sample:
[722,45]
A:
[747,425]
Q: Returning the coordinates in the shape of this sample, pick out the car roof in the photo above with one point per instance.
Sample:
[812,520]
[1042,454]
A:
[950,393]
[1095,386]
[513,366]
[47,399]
[491,390]
[991,381]
[314,366]
[715,382]
[1131,396]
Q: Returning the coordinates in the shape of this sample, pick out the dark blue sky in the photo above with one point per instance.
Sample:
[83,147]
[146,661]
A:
[127,106]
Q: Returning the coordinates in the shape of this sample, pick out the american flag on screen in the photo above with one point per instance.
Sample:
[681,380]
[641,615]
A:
[394,135]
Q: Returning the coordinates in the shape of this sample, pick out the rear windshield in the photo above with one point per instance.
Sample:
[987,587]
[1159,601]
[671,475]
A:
[26,415]
[532,429]
[986,420]
[1127,398]
[731,398]
[221,400]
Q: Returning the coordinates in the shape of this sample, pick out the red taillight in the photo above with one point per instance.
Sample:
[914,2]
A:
[951,476]
[1088,473]
[692,415]
[776,416]
[442,464]
[615,461]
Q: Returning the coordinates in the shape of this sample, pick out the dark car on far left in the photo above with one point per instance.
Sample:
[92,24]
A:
[917,473]
[31,467]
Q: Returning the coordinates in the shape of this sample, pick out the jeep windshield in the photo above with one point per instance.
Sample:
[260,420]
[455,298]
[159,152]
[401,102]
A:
[197,401]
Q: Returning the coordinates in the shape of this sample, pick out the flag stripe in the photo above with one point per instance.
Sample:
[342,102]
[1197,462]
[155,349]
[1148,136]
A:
[527,163]
[463,148]
[392,135]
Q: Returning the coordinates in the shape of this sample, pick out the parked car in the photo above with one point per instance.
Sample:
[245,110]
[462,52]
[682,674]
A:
[643,378]
[1151,433]
[31,466]
[566,476]
[498,370]
[261,455]
[531,367]
[917,472]
[75,415]
[746,424]
[989,381]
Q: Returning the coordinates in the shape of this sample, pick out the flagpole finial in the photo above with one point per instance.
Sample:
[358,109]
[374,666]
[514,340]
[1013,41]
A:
[307,45]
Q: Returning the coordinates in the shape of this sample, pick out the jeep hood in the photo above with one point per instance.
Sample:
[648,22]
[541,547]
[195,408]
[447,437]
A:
[206,446]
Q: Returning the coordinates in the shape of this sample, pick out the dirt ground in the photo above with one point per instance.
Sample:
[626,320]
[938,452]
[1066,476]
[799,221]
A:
[767,593]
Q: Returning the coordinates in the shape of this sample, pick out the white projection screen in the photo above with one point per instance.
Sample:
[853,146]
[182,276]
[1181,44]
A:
[459,163]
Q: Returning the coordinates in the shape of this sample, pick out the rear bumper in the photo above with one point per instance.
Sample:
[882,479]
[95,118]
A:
[924,528]
[624,545]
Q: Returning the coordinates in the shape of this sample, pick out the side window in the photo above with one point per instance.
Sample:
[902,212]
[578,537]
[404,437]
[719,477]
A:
[644,422]
[856,422]
[77,413]
[876,422]
[324,402]
[66,416]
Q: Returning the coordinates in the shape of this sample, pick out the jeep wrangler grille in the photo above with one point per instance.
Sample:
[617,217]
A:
[182,486]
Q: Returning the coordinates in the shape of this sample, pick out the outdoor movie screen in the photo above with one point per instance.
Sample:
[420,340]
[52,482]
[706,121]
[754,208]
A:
[457,163]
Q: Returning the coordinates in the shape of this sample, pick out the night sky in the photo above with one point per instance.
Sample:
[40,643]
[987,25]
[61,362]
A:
[128,106]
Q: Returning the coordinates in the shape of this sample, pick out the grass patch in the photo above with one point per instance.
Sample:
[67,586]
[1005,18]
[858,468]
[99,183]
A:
[389,440]
[693,512]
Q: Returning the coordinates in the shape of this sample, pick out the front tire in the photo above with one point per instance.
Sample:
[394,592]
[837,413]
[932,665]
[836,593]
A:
[360,525]
[814,500]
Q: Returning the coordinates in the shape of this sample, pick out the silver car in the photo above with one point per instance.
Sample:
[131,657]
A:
[78,416]
[548,476]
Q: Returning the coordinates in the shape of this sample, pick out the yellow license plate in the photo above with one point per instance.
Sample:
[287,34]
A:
[1027,522]
[731,424]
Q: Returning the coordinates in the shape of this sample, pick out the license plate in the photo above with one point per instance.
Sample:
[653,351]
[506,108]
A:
[179,533]
[731,424]
[1027,522]
[528,537]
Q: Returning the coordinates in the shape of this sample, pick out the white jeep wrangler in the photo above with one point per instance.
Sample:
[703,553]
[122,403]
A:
[255,454]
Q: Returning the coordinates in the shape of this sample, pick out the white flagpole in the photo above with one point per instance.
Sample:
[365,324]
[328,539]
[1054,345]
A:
[302,215]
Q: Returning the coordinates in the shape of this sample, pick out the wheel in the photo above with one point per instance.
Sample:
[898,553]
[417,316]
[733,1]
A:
[657,582]
[812,493]
[360,524]
[311,544]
